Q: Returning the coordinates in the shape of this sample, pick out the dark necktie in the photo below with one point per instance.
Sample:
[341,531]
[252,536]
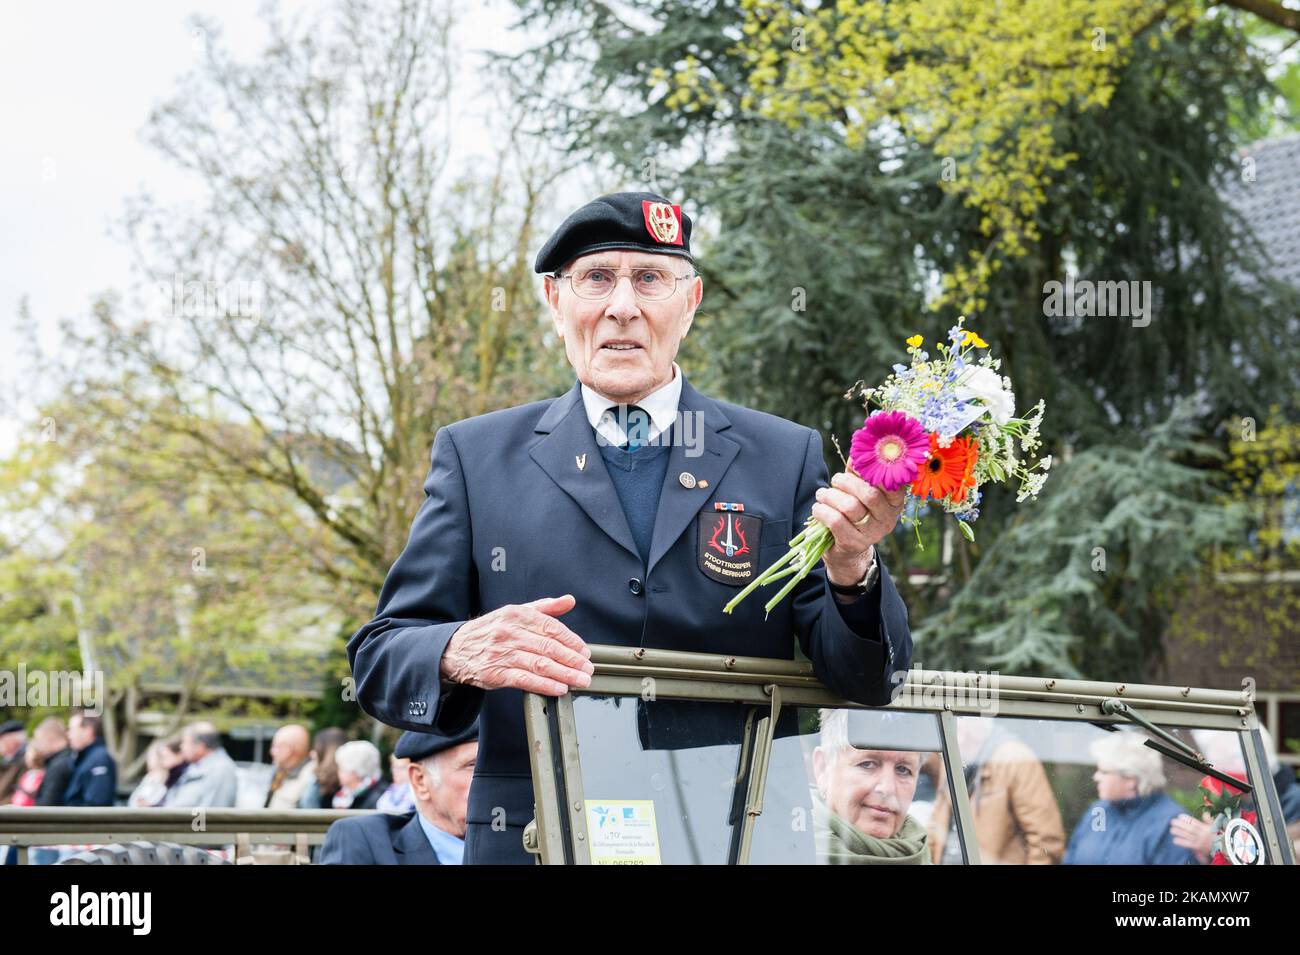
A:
[636,424]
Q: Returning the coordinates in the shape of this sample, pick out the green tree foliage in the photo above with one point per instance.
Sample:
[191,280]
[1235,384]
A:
[864,221]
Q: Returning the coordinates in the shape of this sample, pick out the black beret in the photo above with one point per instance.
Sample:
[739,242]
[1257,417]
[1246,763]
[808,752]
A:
[12,726]
[621,220]
[418,746]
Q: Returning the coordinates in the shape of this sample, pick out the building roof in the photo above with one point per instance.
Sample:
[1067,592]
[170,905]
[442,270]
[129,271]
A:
[1271,202]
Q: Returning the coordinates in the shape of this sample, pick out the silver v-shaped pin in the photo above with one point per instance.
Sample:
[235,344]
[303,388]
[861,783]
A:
[581,460]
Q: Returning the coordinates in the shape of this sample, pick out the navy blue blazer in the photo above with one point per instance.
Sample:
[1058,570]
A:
[510,517]
[93,781]
[379,839]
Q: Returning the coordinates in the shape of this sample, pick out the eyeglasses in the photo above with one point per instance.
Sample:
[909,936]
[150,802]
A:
[598,283]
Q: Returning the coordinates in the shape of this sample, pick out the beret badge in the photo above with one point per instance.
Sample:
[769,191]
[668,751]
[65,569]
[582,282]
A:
[663,221]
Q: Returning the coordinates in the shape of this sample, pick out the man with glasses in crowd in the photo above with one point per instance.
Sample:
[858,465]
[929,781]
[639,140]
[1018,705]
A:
[627,511]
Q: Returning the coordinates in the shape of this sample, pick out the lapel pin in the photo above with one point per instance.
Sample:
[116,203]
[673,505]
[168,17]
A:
[581,461]
[687,479]
[702,483]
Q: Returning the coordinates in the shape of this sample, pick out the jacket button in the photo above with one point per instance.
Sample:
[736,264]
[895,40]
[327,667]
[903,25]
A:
[634,585]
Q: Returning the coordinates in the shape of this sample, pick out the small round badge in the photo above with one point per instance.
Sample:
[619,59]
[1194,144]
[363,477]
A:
[687,479]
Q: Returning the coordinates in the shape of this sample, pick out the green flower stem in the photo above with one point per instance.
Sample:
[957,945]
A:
[761,579]
[815,546]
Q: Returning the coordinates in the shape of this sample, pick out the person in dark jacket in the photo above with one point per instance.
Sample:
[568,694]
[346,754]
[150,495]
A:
[1129,823]
[434,834]
[51,738]
[94,772]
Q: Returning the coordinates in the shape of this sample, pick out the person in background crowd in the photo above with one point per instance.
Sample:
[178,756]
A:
[29,783]
[441,769]
[321,788]
[51,738]
[294,767]
[13,744]
[1017,820]
[93,781]
[398,797]
[164,767]
[360,778]
[209,778]
[1128,824]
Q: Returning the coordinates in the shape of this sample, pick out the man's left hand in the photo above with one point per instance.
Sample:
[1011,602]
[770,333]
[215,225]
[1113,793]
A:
[840,507]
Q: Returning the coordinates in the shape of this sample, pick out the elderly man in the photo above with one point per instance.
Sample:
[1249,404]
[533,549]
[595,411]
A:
[209,779]
[294,767]
[633,507]
[860,807]
[441,768]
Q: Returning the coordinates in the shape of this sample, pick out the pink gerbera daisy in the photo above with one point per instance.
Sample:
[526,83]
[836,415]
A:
[888,449]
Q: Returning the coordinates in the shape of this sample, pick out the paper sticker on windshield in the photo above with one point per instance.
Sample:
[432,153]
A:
[1242,842]
[623,832]
[728,546]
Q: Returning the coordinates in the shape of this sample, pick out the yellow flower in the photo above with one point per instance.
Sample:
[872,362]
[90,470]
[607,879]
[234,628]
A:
[915,341]
[973,339]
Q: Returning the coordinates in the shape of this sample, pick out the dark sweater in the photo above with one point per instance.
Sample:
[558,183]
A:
[638,478]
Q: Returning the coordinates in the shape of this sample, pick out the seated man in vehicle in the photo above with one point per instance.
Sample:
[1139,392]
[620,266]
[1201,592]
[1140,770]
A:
[861,801]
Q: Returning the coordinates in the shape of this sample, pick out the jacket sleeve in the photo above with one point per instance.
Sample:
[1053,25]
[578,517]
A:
[101,783]
[429,592]
[1036,811]
[860,650]
[55,783]
[345,844]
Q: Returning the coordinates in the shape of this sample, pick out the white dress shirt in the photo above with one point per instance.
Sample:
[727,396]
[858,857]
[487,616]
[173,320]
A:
[660,405]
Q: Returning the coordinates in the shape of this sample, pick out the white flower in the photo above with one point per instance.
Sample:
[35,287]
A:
[983,389]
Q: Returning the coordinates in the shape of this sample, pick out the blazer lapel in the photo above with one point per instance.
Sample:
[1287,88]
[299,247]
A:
[411,845]
[679,504]
[569,455]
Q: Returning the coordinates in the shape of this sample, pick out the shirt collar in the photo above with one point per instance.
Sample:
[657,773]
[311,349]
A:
[448,848]
[661,405]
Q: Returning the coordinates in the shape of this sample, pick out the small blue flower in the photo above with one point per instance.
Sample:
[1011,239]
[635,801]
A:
[899,369]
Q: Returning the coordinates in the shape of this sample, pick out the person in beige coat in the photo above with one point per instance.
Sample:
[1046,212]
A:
[294,767]
[1017,819]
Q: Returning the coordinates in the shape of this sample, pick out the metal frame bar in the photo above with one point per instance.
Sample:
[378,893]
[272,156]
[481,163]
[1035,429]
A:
[575,799]
[546,797]
[1069,707]
[758,766]
[1258,772]
[960,800]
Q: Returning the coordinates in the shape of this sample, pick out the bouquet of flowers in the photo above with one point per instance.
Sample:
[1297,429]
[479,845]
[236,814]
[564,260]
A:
[1225,803]
[945,427]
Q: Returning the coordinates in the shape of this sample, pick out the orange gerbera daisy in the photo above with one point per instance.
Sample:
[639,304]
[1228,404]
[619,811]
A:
[947,471]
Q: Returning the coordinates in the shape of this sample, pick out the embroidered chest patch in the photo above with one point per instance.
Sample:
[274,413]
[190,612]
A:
[727,549]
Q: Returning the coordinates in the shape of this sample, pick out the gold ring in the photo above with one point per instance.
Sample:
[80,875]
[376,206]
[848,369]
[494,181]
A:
[863,521]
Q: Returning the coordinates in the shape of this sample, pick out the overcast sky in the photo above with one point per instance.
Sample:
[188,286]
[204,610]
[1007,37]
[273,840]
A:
[77,83]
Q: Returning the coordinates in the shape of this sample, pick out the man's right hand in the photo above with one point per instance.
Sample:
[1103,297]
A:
[522,646]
